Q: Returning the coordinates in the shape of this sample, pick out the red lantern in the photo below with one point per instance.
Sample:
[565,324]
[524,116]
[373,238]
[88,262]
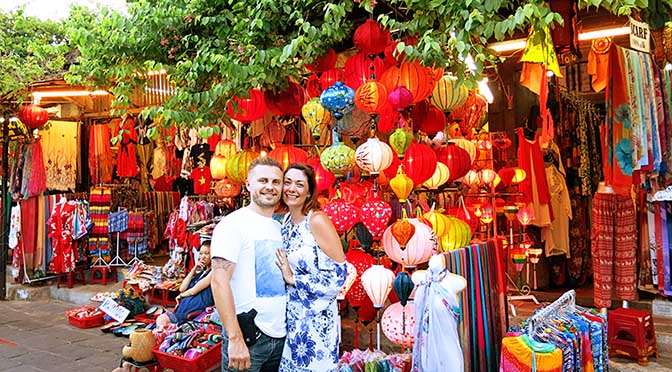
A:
[249,109]
[457,160]
[389,118]
[313,88]
[323,178]
[428,118]
[355,193]
[323,63]
[471,113]
[371,37]
[227,188]
[361,68]
[361,261]
[286,155]
[371,97]
[33,116]
[288,102]
[417,79]
[419,163]
[507,174]
[342,214]
[375,215]
[464,215]
[330,77]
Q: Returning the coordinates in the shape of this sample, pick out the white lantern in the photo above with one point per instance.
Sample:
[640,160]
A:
[349,280]
[418,250]
[440,176]
[374,156]
[377,282]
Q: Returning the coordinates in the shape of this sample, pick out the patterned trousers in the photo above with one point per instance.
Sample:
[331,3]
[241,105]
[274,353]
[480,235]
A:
[614,248]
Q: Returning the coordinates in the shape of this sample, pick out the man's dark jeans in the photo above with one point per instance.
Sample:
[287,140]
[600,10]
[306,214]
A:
[265,354]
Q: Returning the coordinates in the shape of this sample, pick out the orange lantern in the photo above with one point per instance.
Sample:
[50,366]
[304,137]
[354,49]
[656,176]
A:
[471,113]
[225,148]
[33,116]
[401,185]
[419,80]
[226,188]
[371,97]
[286,155]
[402,230]
[218,167]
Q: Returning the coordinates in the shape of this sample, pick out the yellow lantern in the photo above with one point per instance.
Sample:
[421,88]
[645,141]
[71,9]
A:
[440,176]
[218,167]
[447,95]
[472,178]
[519,176]
[487,176]
[225,148]
[458,234]
[237,165]
[316,116]
[439,222]
[401,185]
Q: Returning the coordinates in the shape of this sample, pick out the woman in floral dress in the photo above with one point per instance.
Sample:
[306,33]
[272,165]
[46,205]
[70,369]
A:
[313,266]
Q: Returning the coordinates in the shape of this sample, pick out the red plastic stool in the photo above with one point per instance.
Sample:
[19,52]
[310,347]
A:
[104,271]
[163,296]
[631,333]
[72,277]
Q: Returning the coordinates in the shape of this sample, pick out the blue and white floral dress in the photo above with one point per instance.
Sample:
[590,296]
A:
[312,326]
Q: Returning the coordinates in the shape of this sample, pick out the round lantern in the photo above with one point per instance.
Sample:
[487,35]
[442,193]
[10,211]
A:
[286,155]
[525,216]
[467,146]
[339,99]
[330,77]
[440,222]
[398,323]
[338,159]
[371,97]
[323,178]
[313,86]
[360,68]
[487,176]
[419,80]
[470,114]
[427,118]
[447,95]
[401,185]
[373,156]
[237,166]
[400,98]
[371,37]
[361,261]
[419,249]
[226,148]
[316,116]
[226,188]
[377,281]
[33,116]
[472,178]
[440,176]
[506,175]
[375,214]
[349,280]
[248,109]
[458,234]
[400,141]
[287,102]
[342,214]
[457,160]
[519,176]
[218,167]
[419,163]
[323,63]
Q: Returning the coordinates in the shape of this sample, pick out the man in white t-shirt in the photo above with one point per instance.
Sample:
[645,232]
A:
[245,276]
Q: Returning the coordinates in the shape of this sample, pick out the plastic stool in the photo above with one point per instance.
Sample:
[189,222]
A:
[631,333]
[163,296]
[71,278]
[104,271]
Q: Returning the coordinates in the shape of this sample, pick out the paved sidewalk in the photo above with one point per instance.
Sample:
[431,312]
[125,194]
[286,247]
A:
[36,336]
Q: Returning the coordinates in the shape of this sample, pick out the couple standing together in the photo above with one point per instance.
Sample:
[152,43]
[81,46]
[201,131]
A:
[287,274]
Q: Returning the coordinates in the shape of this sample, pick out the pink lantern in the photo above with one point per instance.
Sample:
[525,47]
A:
[418,250]
[377,281]
[525,216]
[349,280]
[398,323]
[342,214]
[375,214]
[400,98]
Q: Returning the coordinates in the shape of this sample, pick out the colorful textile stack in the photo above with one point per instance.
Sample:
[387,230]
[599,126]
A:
[100,199]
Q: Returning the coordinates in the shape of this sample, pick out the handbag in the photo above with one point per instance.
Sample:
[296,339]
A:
[250,331]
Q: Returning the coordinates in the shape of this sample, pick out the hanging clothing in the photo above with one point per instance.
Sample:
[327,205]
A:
[580,263]
[436,345]
[60,231]
[159,161]
[26,170]
[60,144]
[100,154]
[144,159]
[557,235]
[614,247]
[598,63]
[202,180]
[535,186]
[38,178]
[14,226]
[127,165]
[523,354]
[312,330]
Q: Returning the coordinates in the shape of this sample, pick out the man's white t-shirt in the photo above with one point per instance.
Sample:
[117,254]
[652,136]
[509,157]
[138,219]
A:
[251,241]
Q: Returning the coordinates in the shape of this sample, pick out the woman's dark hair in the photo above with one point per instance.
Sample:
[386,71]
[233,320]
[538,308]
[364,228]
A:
[311,202]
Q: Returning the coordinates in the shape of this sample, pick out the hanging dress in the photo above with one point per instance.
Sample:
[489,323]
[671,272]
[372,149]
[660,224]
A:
[127,164]
[60,230]
[100,154]
[535,185]
[312,330]
[557,235]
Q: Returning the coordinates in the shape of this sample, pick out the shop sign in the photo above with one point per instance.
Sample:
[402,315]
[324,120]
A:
[639,36]
[116,311]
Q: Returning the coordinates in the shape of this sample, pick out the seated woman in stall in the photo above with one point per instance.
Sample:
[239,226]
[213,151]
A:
[195,292]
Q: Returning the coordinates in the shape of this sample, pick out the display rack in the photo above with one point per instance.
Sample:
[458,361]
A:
[568,298]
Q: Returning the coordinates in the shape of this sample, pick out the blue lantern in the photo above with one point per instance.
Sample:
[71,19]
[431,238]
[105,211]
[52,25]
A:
[339,99]
[403,286]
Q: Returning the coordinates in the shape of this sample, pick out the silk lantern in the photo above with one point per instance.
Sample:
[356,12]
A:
[375,215]
[389,119]
[363,235]
[414,77]
[225,148]
[237,166]
[440,176]
[226,188]
[316,116]
[33,116]
[419,162]
[342,214]
[330,77]
[457,235]
[339,99]
[463,214]
[338,159]
[487,176]
[419,248]
[400,141]
[457,160]
[371,97]
[398,323]
[400,98]
[402,230]
[374,156]
[248,109]
[403,286]
[472,178]
[401,185]
[313,87]
[467,146]
[519,177]
[361,261]
[361,68]
[323,178]
[525,216]
[371,37]
[355,192]
[448,95]
[471,113]
[324,62]
[286,102]
[377,281]
[286,155]
[218,167]
[439,222]
[351,275]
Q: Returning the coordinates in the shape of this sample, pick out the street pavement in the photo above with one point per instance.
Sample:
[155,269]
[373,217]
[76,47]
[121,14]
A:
[36,336]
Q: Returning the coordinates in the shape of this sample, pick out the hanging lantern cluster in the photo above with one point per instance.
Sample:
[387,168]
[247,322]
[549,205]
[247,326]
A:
[224,150]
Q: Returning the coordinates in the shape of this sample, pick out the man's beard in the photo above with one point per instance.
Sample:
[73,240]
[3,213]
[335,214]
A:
[263,202]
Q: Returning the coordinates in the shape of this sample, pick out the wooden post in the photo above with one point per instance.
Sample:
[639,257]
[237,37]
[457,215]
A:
[6,205]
